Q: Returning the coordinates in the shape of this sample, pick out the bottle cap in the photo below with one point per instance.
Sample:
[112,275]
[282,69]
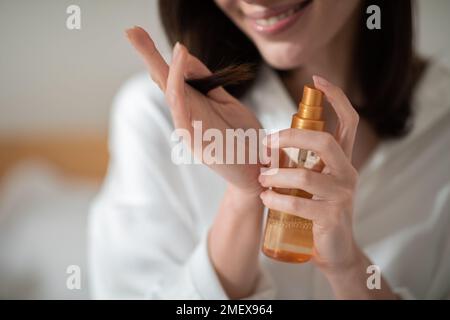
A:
[309,115]
[312,97]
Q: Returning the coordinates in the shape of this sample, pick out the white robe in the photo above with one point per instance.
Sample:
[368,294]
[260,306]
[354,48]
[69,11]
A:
[148,224]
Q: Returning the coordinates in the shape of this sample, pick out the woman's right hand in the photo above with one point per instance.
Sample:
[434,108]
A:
[218,109]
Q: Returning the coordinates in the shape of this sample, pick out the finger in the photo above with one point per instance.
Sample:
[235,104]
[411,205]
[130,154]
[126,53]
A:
[156,64]
[175,91]
[322,143]
[347,115]
[315,183]
[301,207]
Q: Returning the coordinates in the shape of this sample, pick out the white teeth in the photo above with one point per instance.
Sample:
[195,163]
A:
[272,20]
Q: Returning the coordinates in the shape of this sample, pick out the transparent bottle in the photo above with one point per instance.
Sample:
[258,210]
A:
[289,238]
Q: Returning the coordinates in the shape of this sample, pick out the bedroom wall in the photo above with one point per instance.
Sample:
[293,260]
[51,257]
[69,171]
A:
[53,79]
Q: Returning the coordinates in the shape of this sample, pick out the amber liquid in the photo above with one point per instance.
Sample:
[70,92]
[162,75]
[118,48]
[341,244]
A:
[289,238]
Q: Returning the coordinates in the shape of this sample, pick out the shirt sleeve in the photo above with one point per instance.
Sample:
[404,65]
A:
[143,239]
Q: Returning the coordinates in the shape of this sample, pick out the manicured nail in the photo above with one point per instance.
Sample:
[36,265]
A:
[260,179]
[176,50]
[131,29]
[321,81]
[128,32]
[263,169]
[269,172]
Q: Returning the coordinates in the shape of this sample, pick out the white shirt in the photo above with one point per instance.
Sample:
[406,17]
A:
[148,224]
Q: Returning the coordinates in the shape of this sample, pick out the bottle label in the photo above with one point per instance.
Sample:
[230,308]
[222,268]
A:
[289,221]
[285,231]
[301,158]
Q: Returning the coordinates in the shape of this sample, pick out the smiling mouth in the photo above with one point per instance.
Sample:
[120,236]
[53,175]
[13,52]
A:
[274,19]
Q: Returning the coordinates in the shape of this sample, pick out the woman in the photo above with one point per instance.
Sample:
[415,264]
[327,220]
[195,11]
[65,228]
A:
[165,230]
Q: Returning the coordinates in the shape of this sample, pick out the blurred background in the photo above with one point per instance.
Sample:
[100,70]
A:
[56,89]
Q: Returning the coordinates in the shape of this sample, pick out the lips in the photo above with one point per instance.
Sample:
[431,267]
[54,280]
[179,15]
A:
[276,19]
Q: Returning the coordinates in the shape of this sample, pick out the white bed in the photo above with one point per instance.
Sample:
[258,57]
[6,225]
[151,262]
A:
[43,217]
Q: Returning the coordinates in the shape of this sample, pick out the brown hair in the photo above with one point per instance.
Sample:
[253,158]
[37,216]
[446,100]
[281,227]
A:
[387,68]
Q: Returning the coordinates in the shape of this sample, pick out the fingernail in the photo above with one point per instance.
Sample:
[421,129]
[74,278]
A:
[128,31]
[269,172]
[260,179]
[176,50]
[263,169]
[262,194]
[321,81]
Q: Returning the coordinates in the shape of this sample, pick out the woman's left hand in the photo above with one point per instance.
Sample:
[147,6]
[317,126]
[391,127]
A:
[333,189]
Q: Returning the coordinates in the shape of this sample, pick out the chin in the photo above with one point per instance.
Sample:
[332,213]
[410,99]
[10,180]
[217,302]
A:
[283,57]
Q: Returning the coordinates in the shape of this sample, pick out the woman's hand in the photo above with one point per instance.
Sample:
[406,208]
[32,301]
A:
[331,209]
[217,109]
[333,189]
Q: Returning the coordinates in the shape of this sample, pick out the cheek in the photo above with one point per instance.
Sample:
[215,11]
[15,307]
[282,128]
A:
[229,7]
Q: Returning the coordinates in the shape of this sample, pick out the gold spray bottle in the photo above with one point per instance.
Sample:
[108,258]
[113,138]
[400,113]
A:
[287,237]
